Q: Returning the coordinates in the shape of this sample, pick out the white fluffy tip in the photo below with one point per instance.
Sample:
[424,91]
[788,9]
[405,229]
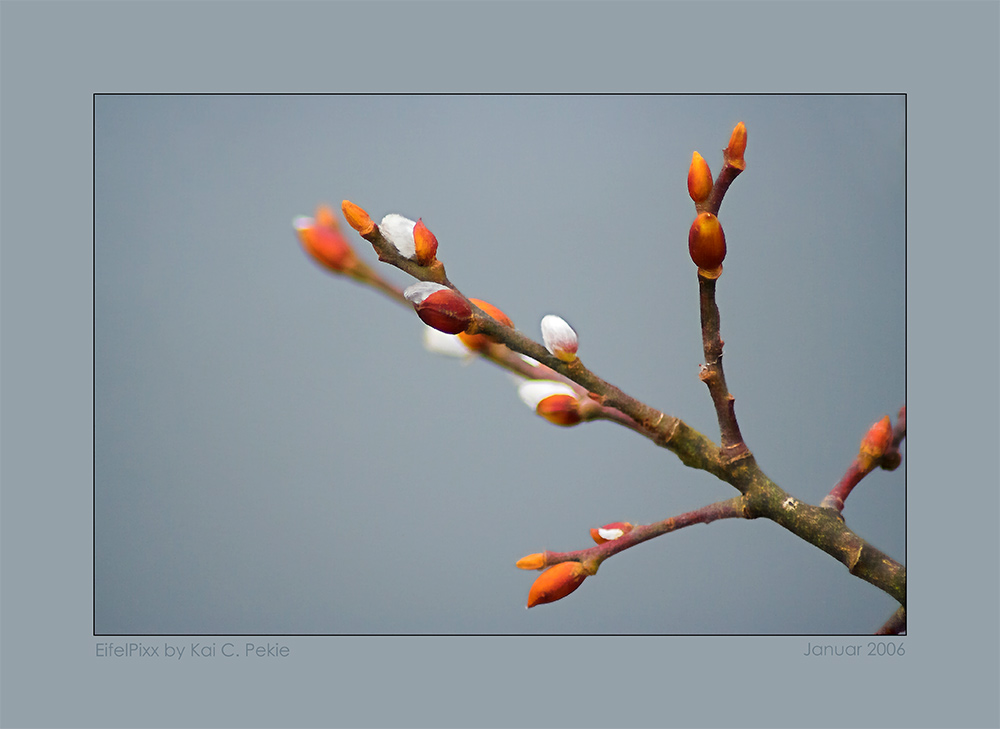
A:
[448,345]
[559,337]
[418,292]
[399,231]
[533,392]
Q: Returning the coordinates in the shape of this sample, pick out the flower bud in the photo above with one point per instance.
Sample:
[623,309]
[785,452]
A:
[322,240]
[357,218]
[554,401]
[556,582]
[699,179]
[737,146]
[440,307]
[447,345]
[477,342]
[425,243]
[874,444]
[399,231]
[559,337]
[707,243]
[532,561]
[325,217]
[608,532]
[560,410]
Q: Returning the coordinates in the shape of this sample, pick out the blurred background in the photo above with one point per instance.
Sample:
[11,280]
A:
[276,453]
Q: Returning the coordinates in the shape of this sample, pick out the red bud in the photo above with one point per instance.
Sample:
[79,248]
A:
[707,242]
[440,307]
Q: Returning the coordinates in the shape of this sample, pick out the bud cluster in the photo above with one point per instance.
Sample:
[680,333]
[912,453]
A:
[706,239]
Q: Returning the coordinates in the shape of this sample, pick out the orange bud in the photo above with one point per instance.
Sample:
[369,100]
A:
[699,179]
[611,531]
[532,561]
[875,443]
[556,582]
[479,341]
[707,243]
[425,242]
[322,240]
[440,307]
[737,147]
[325,217]
[357,218]
[560,409]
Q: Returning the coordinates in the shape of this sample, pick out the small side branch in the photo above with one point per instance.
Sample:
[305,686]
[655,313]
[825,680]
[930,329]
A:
[879,449]
[734,508]
[712,374]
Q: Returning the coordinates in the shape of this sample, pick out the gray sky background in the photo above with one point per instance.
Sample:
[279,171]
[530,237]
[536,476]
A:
[276,453]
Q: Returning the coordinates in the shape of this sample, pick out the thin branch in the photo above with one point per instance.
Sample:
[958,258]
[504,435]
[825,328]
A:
[734,508]
[712,374]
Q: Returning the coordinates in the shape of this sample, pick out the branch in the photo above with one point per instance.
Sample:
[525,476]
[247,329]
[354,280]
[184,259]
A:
[712,374]
[412,248]
[591,558]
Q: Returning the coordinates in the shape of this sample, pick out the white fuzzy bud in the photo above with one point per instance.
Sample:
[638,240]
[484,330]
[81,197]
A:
[559,337]
[448,345]
[399,231]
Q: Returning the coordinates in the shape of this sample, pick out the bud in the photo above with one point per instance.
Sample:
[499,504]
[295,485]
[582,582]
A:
[609,532]
[357,218]
[559,337]
[874,444]
[891,460]
[425,243]
[532,561]
[737,147]
[325,217]
[440,307]
[556,582]
[321,238]
[399,231]
[699,179]
[554,401]
[707,243]
[447,345]
[480,341]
